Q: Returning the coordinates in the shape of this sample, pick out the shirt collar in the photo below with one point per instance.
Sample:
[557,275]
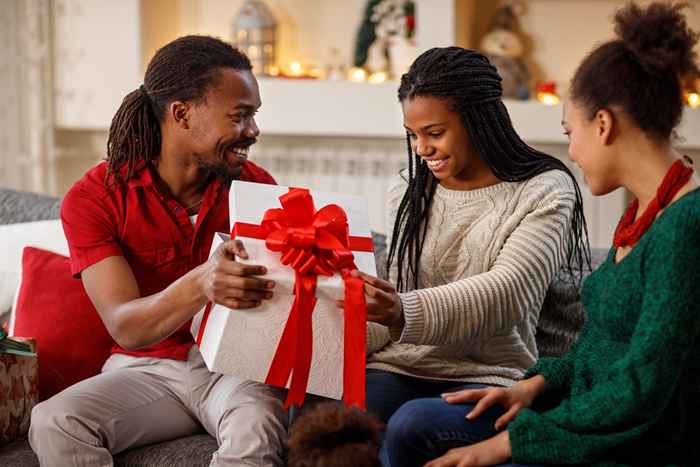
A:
[142,175]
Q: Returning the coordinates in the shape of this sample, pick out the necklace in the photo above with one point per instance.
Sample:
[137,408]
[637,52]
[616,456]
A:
[629,231]
[192,206]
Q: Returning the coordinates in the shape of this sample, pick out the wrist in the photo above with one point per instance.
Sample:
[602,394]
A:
[197,285]
[398,310]
[506,450]
[538,383]
[535,385]
[498,450]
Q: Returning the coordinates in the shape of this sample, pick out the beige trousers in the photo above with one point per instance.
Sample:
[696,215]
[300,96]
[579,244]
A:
[139,400]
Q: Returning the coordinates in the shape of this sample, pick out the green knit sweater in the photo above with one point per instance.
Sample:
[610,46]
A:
[628,392]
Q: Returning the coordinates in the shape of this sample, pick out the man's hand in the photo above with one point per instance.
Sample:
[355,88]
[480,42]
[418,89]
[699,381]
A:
[227,282]
[514,398]
[492,451]
[383,303]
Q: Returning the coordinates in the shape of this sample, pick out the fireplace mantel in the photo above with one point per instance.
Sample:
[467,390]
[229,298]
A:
[347,109]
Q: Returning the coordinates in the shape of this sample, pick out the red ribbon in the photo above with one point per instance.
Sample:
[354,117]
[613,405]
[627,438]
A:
[314,243]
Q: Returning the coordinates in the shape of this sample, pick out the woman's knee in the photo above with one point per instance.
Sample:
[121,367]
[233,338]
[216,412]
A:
[412,422]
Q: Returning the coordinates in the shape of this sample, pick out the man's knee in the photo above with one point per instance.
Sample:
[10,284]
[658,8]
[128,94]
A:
[41,419]
[45,425]
[48,416]
[258,407]
[263,406]
[56,418]
[253,429]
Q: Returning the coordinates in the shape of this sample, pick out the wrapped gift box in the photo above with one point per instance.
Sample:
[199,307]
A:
[19,392]
[243,342]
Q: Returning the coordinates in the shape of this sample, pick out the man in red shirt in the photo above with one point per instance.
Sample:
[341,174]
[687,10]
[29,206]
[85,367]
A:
[139,226]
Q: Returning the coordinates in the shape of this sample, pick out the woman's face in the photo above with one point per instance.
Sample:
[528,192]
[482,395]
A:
[438,136]
[588,148]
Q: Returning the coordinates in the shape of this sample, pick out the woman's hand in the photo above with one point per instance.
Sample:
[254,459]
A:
[383,303]
[514,398]
[492,451]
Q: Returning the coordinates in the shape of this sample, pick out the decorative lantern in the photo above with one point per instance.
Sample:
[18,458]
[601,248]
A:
[255,34]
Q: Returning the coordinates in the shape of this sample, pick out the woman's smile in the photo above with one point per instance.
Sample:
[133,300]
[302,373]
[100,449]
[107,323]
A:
[437,164]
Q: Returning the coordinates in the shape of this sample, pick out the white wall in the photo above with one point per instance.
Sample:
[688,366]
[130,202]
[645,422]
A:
[97,59]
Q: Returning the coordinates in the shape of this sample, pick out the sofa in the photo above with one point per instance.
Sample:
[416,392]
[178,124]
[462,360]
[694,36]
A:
[561,319]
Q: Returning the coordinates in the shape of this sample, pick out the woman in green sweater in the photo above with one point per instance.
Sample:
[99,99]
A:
[628,392]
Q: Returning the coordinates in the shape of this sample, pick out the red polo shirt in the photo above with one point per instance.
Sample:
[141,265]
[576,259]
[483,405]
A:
[148,228]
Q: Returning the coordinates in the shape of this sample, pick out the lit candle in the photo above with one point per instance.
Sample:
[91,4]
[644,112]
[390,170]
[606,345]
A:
[295,69]
[316,72]
[357,74]
[693,100]
[378,77]
[547,98]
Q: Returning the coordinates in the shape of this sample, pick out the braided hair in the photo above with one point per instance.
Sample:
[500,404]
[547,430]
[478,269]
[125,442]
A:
[182,70]
[472,86]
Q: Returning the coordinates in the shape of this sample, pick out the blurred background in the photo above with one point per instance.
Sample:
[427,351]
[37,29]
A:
[327,70]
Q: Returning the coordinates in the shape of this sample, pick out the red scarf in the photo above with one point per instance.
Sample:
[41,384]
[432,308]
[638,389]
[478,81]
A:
[629,231]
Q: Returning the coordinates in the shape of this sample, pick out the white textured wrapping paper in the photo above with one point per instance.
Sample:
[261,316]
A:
[243,342]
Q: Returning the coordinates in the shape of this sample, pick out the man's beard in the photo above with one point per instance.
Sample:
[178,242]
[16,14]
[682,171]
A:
[222,170]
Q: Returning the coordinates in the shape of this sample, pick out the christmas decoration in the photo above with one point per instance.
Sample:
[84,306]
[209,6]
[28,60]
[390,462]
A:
[385,38]
[547,93]
[255,33]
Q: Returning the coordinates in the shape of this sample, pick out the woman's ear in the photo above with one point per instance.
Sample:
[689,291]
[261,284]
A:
[606,126]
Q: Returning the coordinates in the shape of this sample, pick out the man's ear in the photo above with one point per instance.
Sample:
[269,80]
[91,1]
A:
[180,113]
[606,126]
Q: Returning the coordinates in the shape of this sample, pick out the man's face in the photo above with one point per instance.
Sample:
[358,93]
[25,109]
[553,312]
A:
[223,123]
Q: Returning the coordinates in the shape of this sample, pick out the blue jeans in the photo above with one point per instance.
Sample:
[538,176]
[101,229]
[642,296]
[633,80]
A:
[422,426]
[387,391]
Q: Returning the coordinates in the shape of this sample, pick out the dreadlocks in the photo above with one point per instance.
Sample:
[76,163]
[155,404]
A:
[182,70]
[472,86]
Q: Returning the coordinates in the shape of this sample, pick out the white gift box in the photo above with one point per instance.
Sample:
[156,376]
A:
[243,342]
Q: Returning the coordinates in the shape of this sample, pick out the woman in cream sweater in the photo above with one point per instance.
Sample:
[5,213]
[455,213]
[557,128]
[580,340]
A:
[482,223]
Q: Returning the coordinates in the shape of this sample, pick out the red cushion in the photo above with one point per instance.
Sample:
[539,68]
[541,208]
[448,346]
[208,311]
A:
[53,308]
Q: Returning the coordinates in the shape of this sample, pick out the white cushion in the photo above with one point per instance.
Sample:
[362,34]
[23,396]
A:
[47,235]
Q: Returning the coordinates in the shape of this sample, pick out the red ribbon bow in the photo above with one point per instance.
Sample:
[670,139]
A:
[314,243]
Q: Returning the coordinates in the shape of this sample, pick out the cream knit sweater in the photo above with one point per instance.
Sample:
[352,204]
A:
[488,258]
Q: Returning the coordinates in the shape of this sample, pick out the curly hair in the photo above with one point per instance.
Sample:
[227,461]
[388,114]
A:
[652,55]
[330,435]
